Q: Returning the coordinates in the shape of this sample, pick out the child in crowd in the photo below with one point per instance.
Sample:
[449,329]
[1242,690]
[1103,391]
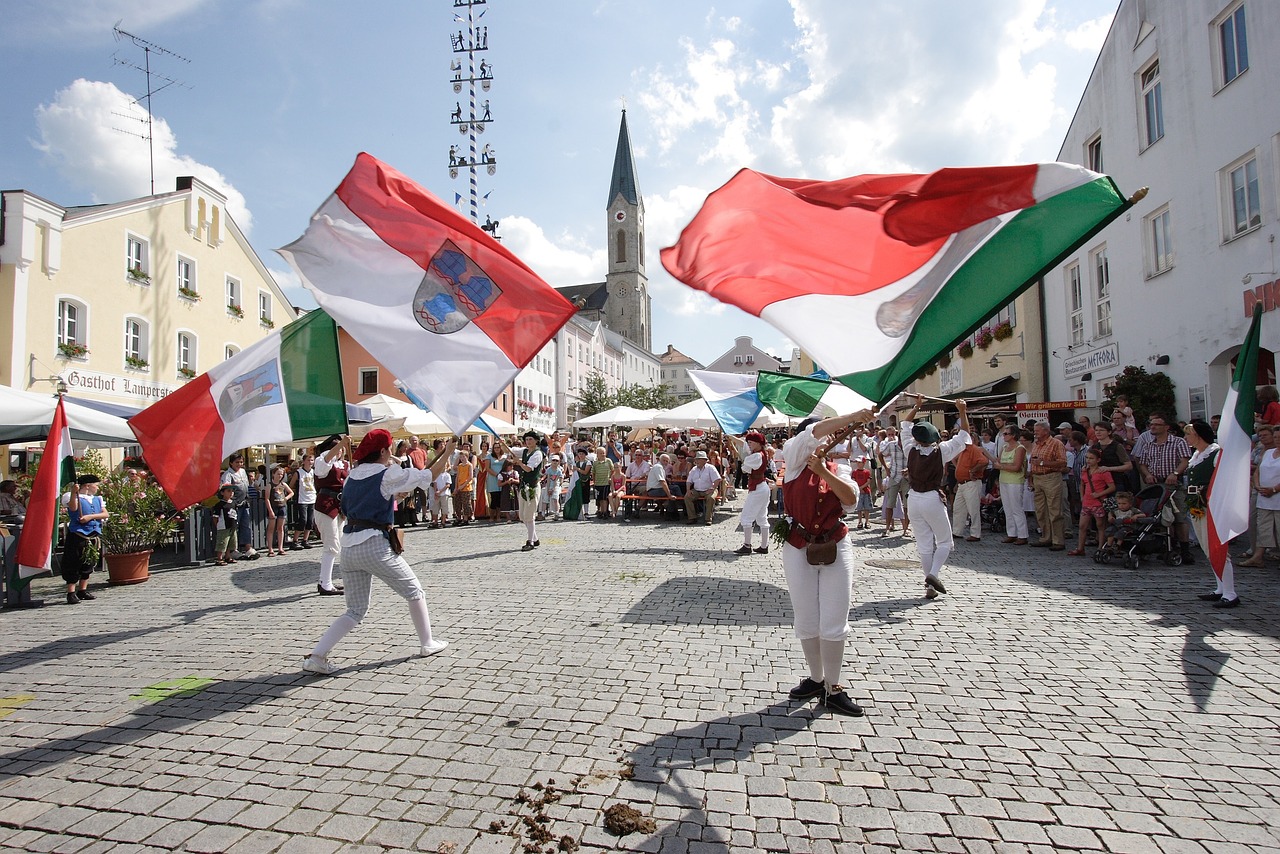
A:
[509,480]
[225,522]
[1122,520]
[862,476]
[440,504]
[278,495]
[552,478]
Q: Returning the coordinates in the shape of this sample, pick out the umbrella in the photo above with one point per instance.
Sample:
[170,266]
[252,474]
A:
[624,415]
[420,422]
[27,416]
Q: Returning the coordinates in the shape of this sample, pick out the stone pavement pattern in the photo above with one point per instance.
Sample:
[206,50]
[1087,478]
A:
[1046,703]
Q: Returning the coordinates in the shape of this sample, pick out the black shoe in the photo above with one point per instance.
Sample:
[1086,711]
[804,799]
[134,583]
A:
[527,547]
[85,596]
[305,544]
[1210,597]
[73,599]
[1188,559]
[743,550]
[337,591]
[806,689]
[763,550]
[838,701]
[1227,603]
[1040,544]
[537,543]
[935,583]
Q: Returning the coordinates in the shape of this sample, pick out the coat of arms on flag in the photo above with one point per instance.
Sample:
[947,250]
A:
[453,292]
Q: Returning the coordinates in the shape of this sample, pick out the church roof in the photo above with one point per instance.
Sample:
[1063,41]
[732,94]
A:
[593,293]
[624,169]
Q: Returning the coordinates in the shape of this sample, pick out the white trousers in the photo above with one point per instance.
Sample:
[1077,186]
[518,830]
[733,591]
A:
[819,594]
[1015,517]
[755,510]
[966,513]
[331,536]
[933,531]
[1226,586]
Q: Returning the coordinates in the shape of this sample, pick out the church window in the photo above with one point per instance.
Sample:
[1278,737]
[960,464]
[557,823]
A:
[620,246]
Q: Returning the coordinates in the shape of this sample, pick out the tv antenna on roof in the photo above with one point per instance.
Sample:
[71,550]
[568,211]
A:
[148,48]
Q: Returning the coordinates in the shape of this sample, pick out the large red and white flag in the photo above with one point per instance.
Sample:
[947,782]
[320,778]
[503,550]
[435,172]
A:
[876,275]
[57,468]
[452,313]
[1227,515]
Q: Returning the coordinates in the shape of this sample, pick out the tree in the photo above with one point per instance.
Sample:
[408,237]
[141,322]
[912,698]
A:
[1147,393]
[644,396]
[595,396]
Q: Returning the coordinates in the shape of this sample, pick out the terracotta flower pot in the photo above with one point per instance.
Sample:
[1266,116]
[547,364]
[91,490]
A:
[132,568]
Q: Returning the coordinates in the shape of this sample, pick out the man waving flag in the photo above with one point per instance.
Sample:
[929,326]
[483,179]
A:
[875,275]
[450,311]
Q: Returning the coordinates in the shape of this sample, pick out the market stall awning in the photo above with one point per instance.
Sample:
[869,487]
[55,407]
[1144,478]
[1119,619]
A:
[25,417]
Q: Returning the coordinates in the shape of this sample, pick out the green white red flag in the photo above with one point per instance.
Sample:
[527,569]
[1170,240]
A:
[874,276]
[57,469]
[286,387]
[1227,513]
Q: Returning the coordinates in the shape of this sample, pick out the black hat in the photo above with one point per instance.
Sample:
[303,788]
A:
[88,478]
[328,444]
[532,434]
[804,425]
[1204,431]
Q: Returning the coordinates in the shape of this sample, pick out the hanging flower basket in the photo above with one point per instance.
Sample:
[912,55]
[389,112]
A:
[984,338]
[966,350]
[945,361]
[1004,331]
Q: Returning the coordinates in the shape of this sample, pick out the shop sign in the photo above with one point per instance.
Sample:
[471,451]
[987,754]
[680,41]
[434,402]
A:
[127,388]
[1094,360]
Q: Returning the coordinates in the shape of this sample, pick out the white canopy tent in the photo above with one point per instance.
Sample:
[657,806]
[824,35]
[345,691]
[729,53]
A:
[420,422]
[620,415]
[25,417]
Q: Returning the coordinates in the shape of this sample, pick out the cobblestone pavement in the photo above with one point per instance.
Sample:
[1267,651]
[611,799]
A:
[1046,703]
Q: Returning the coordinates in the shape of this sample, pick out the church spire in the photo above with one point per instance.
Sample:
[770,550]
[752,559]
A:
[624,169]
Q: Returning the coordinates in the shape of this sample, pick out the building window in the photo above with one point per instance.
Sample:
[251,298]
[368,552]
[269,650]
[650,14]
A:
[1197,403]
[1093,153]
[751,360]
[737,360]
[1243,197]
[230,351]
[1075,305]
[1152,104]
[1101,293]
[1233,45]
[1159,243]
[186,354]
[620,246]
[504,401]
[73,328]
[368,380]
[233,296]
[137,264]
[135,342]
[187,278]
[264,307]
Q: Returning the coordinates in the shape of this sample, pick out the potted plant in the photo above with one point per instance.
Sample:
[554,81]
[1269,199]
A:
[141,519]
[186,373]
[984,338]
[138,274]
[188,293]
[1004,331]
[137,363]
[267,322]
[945,360]
[966,350]
[234,310]
[73,350]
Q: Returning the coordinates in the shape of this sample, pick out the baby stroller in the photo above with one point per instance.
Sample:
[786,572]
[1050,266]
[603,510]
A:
[993,516]
[1151,533]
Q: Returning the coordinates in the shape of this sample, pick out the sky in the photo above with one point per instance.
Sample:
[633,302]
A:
[273,100]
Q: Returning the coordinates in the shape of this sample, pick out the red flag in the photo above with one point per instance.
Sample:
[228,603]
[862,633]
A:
[57,466]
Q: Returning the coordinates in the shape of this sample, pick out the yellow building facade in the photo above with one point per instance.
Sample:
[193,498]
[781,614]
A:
[124,302]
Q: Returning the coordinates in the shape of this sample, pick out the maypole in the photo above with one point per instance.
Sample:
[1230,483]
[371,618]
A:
[472,41]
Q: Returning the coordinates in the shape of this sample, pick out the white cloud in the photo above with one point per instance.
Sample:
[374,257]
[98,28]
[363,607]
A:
[1089,36]
[77,132]
[292,286]
[567,262]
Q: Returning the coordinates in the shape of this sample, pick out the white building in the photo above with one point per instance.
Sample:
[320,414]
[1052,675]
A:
[582,348]
[638,365]
[535,392]
[674,372]
[745,357]
[1182,100]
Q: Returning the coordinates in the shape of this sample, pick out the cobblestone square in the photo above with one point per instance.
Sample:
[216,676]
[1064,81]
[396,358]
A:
[1045,703]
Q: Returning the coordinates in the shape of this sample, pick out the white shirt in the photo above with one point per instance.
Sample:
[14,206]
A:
[395,481]
[703,479]
[322,467]
[796,453]
[306,486]
[656,476]
[950,449]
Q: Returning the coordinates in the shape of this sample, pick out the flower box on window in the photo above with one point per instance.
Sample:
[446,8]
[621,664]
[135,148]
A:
[139,275]
[186,373]
[73,350]
[188,293]
[1004,331]
[234,310]
[984,338]
[267,322]
[137,363]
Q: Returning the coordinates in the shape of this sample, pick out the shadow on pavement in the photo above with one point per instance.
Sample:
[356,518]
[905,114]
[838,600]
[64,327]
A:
[63,647]
[712,600]
[889,612]
[236,607]
[660,762]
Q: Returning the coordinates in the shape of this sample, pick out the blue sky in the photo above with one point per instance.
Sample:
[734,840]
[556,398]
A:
[281,95]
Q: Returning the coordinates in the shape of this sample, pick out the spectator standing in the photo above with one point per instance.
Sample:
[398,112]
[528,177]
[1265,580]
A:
[966,514]
[893,463]
[1163,459]
[278,495]
[83,549]
[331,469]
[305,487]
[1048,463]
[239,479]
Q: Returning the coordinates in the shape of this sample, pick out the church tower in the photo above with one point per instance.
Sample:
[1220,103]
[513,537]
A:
[629,309]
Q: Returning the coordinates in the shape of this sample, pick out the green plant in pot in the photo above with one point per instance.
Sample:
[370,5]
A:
[142,517]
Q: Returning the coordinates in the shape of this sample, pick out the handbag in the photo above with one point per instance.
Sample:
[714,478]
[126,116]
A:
[821,554]
[395,536]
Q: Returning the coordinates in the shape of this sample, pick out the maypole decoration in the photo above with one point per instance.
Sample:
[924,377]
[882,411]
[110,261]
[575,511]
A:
[470,40]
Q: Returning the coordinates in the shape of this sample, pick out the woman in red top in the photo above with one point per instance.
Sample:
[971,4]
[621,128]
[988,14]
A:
[1269,400]
[1095,485]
